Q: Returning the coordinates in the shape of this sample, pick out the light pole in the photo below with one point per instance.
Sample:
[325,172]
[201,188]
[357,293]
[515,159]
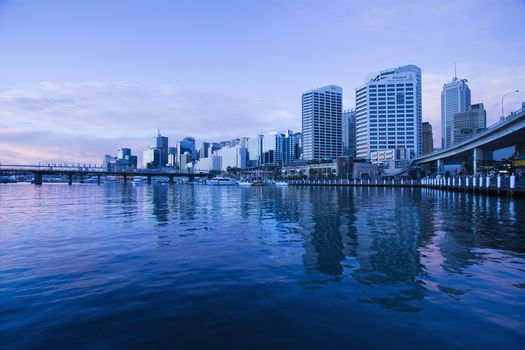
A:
[502,98]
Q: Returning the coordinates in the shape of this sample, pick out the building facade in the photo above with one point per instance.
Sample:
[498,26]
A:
[233,157]
[254,146]
[389,112]
[455,98]
[469,123]
[322,130]
[187,144]
[349,137]
[428,138]
[161,143]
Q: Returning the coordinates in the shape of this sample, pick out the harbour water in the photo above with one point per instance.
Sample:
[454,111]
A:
[188,266]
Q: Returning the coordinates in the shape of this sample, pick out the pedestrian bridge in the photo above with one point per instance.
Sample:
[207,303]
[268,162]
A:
[508,132]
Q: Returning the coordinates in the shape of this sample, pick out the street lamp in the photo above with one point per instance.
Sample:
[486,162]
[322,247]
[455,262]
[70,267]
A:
[502,98]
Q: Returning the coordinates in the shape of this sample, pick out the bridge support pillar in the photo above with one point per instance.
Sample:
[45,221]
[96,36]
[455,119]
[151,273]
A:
[171,179]
[149,179]
[70,179]
[38,178]
[520,149]
[125,178]
[98,180]
[440,163]
[476,157]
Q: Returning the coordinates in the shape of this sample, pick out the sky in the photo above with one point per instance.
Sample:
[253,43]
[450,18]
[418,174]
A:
[80,79]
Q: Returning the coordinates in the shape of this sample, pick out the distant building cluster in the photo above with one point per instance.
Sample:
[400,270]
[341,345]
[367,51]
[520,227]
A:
[385,129]
[123,160]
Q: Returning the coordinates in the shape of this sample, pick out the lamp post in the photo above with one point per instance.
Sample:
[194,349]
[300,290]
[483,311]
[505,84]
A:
[502,98]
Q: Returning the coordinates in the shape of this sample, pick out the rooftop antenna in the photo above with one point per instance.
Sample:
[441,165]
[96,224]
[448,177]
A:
[455,72]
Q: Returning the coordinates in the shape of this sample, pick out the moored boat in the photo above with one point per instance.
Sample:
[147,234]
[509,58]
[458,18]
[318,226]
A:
[221,181]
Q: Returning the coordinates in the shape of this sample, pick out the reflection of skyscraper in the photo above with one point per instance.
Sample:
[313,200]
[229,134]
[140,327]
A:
[160,204]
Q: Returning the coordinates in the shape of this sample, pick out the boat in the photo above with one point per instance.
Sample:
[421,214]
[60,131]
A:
[140,179]
[281,183]
[221,181]
[245,183]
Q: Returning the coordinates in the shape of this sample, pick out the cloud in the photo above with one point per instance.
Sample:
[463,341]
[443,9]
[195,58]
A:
[79,122]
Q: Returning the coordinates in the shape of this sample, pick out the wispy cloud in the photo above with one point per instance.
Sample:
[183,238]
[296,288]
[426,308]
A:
[83,121]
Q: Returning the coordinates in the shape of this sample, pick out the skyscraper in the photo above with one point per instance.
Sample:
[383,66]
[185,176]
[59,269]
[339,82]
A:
[273,144]
[428,138]
[469,123]
[349,140]
[254,146]
[455,98]
[187,144]
[122,153]
[388,112]
[322,123]
[161,143]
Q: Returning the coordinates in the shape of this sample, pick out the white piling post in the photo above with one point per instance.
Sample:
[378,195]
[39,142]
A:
[487,181]
[468,180]
[512,181]
[498,181]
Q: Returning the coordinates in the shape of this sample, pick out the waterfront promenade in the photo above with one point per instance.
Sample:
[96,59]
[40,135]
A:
[510,185]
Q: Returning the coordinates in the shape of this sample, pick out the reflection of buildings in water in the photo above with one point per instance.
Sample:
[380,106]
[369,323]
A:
[388,242]
[159,197]
[122,197]
[470,224]
[326,216]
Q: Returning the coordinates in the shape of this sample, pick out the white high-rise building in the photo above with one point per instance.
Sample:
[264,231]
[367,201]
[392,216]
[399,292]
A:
[388,112]
[455,98]
[322,123]
[233,157]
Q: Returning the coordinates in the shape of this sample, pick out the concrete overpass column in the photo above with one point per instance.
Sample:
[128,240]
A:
[477,156]
[440,166]
[38,178]
[149,179]
[70,179]
[520,149]
[171,179]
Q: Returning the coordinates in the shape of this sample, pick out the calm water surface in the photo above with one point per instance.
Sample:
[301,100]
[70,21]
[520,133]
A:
[159,266]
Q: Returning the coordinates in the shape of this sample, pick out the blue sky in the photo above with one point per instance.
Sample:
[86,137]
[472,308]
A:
[80,79]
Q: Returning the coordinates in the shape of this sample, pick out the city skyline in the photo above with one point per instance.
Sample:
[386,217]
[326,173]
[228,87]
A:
[103,92]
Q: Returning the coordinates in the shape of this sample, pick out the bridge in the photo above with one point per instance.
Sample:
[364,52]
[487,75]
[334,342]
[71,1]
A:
[38,171]
[509,131]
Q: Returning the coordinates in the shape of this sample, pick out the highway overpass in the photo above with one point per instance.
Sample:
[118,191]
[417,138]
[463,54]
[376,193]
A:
[506,133]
